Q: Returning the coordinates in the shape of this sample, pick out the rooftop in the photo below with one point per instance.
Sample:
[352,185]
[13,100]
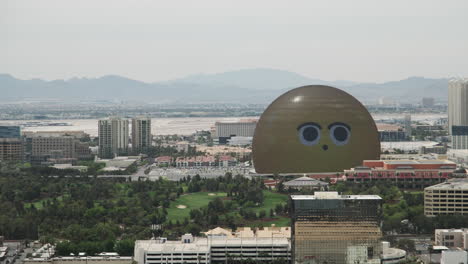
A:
[201,244]
[453,184]
[305,181]
[334,196]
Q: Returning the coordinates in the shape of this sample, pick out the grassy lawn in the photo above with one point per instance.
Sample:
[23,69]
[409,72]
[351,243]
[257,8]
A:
[191,201]
[201,199]
[278,221]
[271,199]
[38,204]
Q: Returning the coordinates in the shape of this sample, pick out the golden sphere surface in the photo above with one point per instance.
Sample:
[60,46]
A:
[314,128]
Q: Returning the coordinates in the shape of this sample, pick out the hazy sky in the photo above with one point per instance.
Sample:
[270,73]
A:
[359,40]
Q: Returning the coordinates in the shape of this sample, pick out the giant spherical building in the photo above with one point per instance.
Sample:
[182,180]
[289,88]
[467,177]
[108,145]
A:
[314,128]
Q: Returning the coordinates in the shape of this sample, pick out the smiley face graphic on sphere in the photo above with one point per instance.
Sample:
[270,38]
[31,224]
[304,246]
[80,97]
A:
[314,128]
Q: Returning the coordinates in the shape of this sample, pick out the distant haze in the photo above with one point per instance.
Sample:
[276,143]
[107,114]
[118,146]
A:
[154,41]
[242,86]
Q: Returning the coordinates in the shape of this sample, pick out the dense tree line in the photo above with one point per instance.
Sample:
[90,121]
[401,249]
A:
[87,214]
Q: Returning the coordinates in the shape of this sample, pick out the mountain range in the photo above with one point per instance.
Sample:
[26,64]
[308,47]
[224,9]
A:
[242,86]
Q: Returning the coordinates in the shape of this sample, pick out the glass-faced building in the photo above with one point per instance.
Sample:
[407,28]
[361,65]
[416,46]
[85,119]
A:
[339,229]
[10,132]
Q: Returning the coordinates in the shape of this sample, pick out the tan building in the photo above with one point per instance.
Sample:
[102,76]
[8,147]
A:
[11,149]
[447,198]
[62,147]
[141,134]
[113,137]
[457,238]
[80,260]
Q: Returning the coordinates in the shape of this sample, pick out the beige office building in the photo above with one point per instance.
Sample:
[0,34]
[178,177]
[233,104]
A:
[141,134]
[113,137]
[447,198]
[457,238]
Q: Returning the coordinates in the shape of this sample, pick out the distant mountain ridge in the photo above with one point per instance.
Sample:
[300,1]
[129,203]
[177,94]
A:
[242,86]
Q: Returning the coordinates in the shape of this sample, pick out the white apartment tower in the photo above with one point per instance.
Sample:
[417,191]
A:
[113,137]
[458,113]
[141,134]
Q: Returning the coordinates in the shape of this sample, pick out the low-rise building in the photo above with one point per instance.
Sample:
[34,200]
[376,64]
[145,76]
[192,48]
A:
[163,161]
[227,161]
[389,132]
[392,255]
[80,260]
[198,161]
[457,238]
[306,183]
[213,249]
[411,173]
[447,198]
[454,256]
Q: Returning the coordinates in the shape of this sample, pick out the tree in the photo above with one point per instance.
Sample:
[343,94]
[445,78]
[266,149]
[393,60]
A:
[125,247]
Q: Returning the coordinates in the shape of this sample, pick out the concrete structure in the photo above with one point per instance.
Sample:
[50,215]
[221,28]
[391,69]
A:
[80,260]
[392,255]
[141,134]
[458,113]
[454,256]
[457,238]
[306,183]
[10,132]
[247,232]
[448,198]
[11,149]
[113,137]
[332,228]
[227,130]
[213,249]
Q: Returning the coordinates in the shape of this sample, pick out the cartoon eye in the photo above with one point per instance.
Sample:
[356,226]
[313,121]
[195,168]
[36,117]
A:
[340,133]
[309,133]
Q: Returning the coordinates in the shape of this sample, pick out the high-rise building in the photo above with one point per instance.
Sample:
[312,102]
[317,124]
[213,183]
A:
[10,132]
[332,228]
[113,137]
[408,129]
[11,149]
[141,134]
[458,113]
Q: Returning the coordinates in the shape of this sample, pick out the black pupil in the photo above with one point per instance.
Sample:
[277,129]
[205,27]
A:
[340,133]
[310,134]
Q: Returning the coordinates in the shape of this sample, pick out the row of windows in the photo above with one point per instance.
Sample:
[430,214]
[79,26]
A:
[447,191]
